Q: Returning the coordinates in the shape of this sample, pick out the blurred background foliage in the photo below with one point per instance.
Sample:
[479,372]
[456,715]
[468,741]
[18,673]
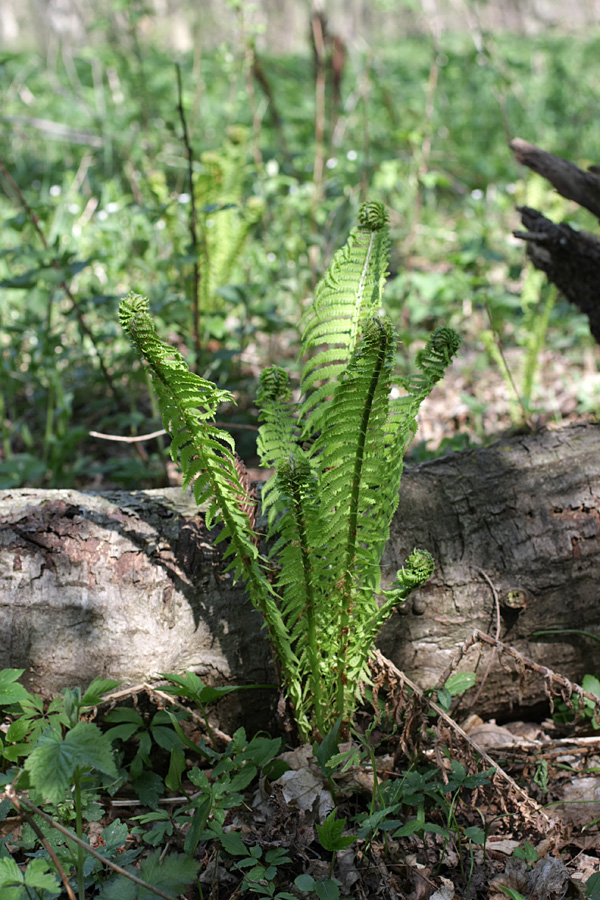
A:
[213,156]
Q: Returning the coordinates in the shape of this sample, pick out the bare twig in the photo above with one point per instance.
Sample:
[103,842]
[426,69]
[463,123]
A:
[551,678]
[57,130]
[234,426]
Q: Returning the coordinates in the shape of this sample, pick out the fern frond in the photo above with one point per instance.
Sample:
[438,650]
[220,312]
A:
[187,404]
[278,433]
[301,595]
[432,362]
[350,458]
[348,296]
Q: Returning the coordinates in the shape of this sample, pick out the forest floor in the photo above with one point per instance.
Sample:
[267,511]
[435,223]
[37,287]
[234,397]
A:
[432,810]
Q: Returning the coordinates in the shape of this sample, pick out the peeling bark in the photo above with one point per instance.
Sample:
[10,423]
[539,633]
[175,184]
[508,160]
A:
[129,585]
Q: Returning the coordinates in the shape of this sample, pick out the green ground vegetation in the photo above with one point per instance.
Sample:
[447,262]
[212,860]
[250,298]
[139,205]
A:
[97,163]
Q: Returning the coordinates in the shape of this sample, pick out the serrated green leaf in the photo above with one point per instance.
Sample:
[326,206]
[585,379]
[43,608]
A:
[233,844]
[39,876]
[460,682]
[149,787]
[592,887]
[262,750]
[243,778]
[9,872]
[330,834]
[327,889]
[10,691]
[120,888]
[475,834]
[592,684]
[52,763]
[115,834]
[173,875]
[97,689]
[17,730]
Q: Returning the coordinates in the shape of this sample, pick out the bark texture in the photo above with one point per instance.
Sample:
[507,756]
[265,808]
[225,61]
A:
[570,259]
[130,585]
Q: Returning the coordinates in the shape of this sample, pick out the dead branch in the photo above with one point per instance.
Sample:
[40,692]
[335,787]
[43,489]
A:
[569,180]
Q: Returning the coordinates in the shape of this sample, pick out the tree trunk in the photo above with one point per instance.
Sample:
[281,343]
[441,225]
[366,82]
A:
[570,259]
[129,585]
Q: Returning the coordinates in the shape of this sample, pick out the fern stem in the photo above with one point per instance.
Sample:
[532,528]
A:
[346,592]
[364,277]
[313,650]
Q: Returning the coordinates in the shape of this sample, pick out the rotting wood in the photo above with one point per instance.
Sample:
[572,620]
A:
[129,585]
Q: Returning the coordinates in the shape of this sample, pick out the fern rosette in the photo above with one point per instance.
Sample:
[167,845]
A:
[337,455]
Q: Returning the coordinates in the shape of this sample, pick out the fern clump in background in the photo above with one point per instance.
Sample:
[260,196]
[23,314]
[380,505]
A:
[338,457]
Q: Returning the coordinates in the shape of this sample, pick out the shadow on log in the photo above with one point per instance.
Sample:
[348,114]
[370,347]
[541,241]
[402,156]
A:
[129,585]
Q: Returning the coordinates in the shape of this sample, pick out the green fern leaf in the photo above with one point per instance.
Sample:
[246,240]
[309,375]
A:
[348,453]
[187,404]
[348,297]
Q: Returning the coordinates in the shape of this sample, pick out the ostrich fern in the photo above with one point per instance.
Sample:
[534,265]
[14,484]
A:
[338,457]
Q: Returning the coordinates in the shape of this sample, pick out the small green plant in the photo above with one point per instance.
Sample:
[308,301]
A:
[332,837]
[511,893]
[592,887]
[38,880]
[588,711]
[66,762]
[338,457]
[527,852]
[62,756]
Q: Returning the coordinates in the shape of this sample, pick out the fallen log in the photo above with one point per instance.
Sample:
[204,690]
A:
[128,585]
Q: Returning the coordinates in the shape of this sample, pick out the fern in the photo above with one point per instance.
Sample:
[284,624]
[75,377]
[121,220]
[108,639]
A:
[226,219]
[338,457]
[348,296]
[188,405]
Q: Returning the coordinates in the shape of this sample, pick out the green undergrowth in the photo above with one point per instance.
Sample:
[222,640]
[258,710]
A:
[97,200]
[191,799]
[152,789]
